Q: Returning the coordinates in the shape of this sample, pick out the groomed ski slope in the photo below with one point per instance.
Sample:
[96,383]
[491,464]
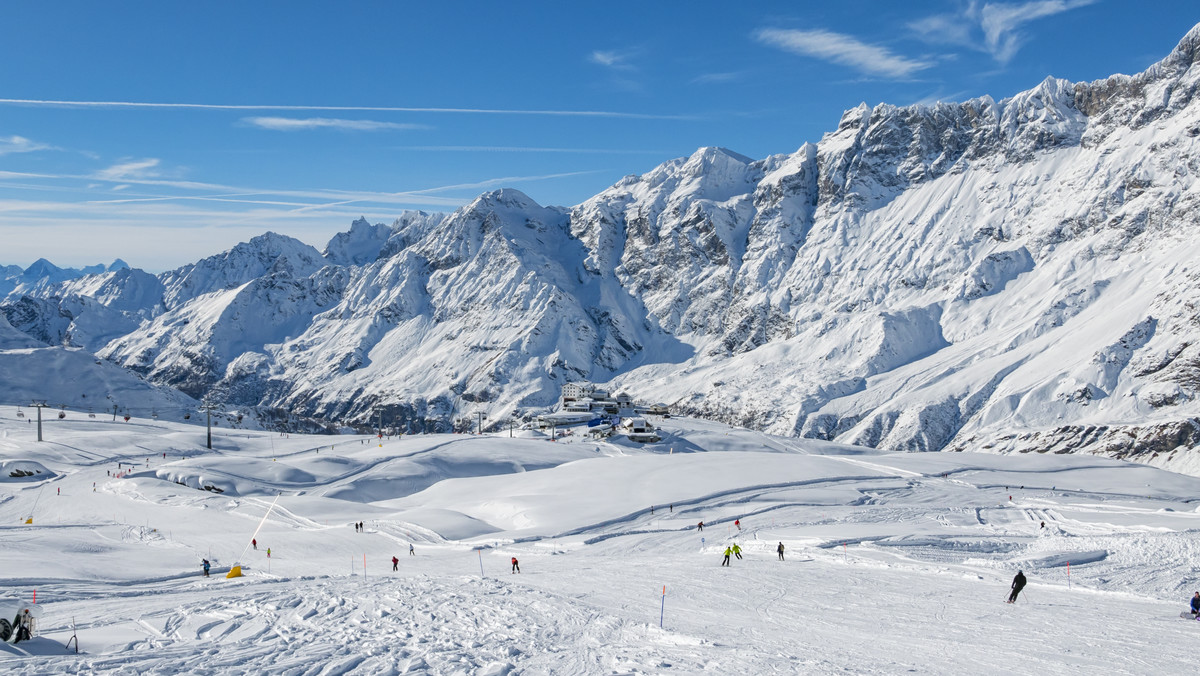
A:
[894,562]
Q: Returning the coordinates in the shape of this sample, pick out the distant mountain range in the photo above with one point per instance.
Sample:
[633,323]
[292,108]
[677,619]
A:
[1015,275]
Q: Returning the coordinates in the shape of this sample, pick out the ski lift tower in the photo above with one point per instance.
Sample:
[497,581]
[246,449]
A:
[39,404]
[208,408]
[482,417]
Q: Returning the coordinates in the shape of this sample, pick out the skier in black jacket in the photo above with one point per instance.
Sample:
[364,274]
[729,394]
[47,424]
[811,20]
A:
[1018,584]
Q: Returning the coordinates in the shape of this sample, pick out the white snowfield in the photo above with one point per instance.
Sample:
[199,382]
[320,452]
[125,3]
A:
[893,562]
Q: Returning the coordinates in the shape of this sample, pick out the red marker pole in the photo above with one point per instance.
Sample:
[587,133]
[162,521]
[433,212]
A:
[845,558]
[663,612]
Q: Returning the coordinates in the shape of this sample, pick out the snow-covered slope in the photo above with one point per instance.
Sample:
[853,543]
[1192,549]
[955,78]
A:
[1009,275]
[893,562]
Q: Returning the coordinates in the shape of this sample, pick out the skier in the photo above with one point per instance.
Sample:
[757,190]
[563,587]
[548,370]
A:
[1196,604]
[254,544]
[738,523]
[395,563]
[780,550]
[651,510]
[737,551]
[24,626]
[728,551]
[1043,524]
[516,567]
[411,551]
[207,565]
[1018,584]
[700,526]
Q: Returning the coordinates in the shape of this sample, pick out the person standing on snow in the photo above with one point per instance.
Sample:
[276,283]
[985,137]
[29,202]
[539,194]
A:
[700,526]
[207,565]
[738,523]
[737,551]
[728,551]
[24,626]
[411,551]
[395,563]
[780,550]
[254,544]
[1196,604]
[516,566]
[1018,584]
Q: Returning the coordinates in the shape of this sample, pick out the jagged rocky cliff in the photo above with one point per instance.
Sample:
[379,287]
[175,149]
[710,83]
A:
[1010,275]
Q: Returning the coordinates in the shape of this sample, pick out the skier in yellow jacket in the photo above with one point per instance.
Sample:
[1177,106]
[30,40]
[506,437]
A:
[728,551]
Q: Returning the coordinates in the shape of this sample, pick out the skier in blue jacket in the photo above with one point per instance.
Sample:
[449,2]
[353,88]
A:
[1196,604]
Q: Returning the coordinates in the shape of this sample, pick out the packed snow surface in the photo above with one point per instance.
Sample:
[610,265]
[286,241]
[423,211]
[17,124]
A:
[894,562]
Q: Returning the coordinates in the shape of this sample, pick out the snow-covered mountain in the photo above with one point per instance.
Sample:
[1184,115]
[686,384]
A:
[1010,275]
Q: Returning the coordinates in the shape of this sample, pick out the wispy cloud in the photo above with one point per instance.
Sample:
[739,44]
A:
[504,180]
[844,50]
[999,24]
[611,59]
[20,144]
[307,123]
[130,173]
[129,170]
[953,29]
[370,109]
[716,78]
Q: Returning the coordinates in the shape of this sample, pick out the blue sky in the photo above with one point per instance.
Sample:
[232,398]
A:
[297,117]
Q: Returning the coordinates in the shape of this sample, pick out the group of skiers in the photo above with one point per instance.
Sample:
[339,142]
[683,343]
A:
[396,562]
[736,551]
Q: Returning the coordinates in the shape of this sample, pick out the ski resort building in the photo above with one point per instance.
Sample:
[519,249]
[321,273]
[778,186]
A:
[603,412]
[638,429]
[583,397]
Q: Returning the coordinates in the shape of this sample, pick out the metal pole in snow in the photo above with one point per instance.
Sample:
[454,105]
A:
[480,553]
[663,612]
[364,565]
[1068,574]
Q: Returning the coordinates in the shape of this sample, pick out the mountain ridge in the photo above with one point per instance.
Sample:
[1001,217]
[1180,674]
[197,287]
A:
[996,275]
